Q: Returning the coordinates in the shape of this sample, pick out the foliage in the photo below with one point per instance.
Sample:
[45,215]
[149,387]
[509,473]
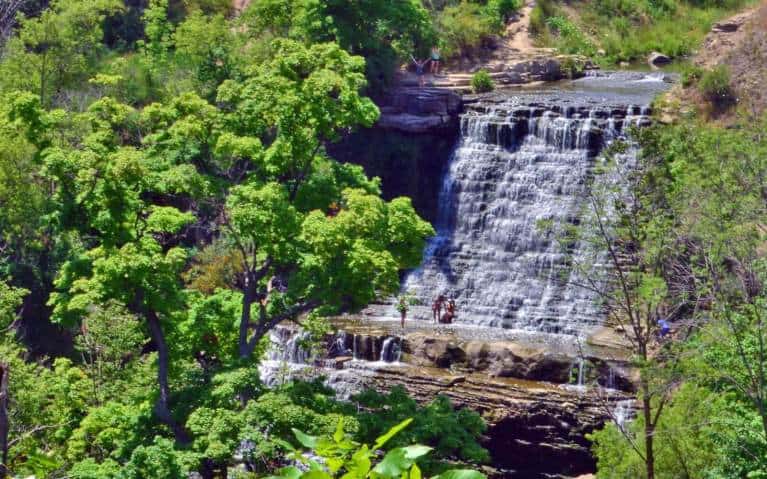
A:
[707,180]
[628,30]
[57,49]
[163,175]
[344,457]
[571,39]
[463,28]
[686,439]
[384,32]
[452,433]
[481,82]
[714,84]
[690,75]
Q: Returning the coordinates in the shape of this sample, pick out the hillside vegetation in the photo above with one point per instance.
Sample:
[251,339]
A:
[615,31]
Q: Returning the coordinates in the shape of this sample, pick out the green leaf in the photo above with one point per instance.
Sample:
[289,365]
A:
[290,472]
[306,440]
[461,474]
[415,472]
[391,433]
[399,460]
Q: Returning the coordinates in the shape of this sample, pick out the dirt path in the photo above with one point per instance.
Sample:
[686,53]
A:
[518,40]
[515,46]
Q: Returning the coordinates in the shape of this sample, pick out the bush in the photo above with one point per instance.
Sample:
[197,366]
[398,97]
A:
[572,67]
[481,82]
[690,75]
[571,38]
[715,85]
[499,11]
[542,11]
[464,27]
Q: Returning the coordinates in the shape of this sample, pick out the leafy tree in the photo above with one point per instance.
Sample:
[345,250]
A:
[383,32]
[310,233]
[58,48]
[109,336]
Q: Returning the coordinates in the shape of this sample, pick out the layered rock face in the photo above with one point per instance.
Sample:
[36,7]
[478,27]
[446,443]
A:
[410,145]
[529,393]
[419,110]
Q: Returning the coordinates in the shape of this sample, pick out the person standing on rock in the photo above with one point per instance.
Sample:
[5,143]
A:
[435,59]
[419,67]
[436,308]
[404,302]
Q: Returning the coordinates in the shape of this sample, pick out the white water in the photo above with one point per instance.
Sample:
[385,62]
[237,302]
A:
[519,168]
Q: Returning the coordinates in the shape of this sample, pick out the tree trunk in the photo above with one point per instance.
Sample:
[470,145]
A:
[4,426]
[247,304]
[649,431]
[162,407]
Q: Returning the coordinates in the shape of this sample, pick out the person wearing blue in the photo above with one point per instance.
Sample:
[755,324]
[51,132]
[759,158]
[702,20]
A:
[665,328]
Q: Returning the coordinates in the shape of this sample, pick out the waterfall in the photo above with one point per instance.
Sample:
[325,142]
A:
[624,411]
[289,346]
[581,372]
[391,351]
[522,165]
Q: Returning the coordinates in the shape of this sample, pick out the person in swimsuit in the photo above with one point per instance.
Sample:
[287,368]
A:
[435,59]
[419,67]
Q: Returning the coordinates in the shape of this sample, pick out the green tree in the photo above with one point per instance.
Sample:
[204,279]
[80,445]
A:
[58,48]
[310,233]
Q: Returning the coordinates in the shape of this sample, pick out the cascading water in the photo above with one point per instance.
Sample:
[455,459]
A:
[391,351]
[523,162]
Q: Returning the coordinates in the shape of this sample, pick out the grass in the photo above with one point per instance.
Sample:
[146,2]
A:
[628,30]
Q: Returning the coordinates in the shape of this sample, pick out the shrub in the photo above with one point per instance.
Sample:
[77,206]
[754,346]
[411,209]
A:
[572,67]
[542,11]
[715,85]
[572,39]
[481,82]
[347,458]
[499,11]
[690,75]
[463,28]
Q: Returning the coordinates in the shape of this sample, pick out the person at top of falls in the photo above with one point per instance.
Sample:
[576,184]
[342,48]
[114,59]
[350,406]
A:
[435,59]
[419,67]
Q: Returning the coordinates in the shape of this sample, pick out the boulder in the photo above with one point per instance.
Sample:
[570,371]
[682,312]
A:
[658,59]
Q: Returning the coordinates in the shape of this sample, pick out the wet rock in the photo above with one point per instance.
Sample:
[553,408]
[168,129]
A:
[338,362]
[658,59]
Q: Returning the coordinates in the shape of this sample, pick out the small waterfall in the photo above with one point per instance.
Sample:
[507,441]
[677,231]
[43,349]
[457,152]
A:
[391,350]
[623,412]
[289,346]
[581,372]
[338,347]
